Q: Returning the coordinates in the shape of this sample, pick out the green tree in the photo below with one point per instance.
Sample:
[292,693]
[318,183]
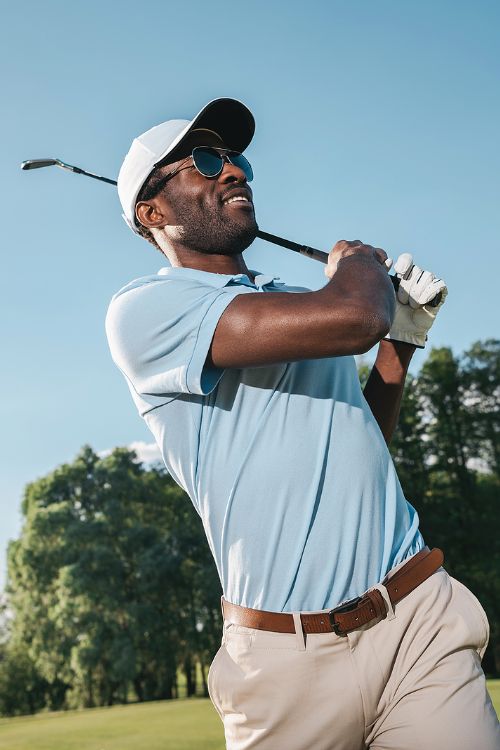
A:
[22,690]
[446,453]
[481,377]
[409,447]
[103,582]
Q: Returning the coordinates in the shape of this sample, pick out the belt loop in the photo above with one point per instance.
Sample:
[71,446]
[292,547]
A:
[385,595]
[300,635]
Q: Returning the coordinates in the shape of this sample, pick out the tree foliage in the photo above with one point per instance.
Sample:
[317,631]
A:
[111,583]
[446,453]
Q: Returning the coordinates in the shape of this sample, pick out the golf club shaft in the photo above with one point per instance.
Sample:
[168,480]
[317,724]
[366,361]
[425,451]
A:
[310,252]
[320,255]
[90,174]
[79,170]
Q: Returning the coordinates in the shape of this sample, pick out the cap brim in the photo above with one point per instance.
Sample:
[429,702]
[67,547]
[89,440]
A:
[229,118]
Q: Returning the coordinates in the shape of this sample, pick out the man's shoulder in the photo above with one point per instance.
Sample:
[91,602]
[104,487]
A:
[138,283]
[175,278]
[145,289]
[179,288]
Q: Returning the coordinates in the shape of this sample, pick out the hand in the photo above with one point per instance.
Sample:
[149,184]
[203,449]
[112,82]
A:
[414,315]
[343,249]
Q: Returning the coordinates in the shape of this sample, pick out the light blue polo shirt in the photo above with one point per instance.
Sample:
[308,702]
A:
[285,464]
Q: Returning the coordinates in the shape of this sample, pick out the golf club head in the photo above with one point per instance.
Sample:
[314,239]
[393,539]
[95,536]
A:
[38,163]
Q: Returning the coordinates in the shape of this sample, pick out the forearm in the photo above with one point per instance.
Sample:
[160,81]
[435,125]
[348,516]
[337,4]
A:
[347,316]
[384,388]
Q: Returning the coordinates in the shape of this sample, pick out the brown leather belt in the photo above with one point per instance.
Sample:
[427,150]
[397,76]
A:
[350,615]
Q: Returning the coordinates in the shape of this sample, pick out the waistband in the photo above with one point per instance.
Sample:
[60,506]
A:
[350,615]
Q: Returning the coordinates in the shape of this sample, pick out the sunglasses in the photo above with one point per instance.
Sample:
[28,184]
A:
[209,162]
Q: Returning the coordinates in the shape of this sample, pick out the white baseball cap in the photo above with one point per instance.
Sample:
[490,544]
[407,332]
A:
[228,118]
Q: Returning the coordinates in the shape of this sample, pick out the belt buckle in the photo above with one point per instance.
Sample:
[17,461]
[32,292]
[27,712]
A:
[347,607]
[335,627]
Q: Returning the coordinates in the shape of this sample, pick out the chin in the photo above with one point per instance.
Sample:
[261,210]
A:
[228,238]
[239,241]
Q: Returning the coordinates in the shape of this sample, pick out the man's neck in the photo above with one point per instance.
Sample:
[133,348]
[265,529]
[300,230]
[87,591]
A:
[225,264]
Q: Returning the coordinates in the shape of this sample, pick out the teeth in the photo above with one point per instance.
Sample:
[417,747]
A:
[236,198]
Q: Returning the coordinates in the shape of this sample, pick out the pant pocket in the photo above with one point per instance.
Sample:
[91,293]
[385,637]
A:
[262,691]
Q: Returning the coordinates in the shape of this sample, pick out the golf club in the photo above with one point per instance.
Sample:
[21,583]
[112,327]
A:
[303,249]
[39,163]
[311,252]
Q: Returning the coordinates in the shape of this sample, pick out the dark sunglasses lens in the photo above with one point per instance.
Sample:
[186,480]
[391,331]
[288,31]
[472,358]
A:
[240,161]
[207,161]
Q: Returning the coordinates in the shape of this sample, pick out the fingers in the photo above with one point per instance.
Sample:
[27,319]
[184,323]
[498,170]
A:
[407,290]
[438,287]
[421,289]
[381,256]
[345,248]
[417,287]
[403,265]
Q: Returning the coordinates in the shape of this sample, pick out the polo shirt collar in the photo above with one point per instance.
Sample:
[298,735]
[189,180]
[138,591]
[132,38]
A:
[218,280]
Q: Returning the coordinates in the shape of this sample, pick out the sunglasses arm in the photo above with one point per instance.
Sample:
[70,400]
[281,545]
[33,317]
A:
[311,252]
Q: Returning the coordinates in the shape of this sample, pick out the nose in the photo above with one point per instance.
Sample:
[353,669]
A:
[231,173]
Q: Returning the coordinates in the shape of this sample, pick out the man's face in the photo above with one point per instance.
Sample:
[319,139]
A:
[198,206]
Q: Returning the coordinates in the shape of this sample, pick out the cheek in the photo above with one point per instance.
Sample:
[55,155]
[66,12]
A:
[198,189]
[203,201]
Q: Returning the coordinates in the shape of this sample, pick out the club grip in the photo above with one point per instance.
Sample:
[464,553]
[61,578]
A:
[311,252]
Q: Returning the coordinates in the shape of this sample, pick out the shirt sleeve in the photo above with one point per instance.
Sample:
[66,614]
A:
[160,332]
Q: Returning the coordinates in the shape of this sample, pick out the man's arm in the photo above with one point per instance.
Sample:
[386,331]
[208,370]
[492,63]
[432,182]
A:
[415,314]
[347,316]
[384,388]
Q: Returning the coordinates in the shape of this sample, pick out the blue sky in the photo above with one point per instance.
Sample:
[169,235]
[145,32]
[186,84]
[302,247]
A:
[376,121]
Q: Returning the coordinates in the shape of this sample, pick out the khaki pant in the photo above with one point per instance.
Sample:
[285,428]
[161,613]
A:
[412,681]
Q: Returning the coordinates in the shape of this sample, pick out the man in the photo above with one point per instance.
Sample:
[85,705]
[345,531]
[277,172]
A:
[251,391]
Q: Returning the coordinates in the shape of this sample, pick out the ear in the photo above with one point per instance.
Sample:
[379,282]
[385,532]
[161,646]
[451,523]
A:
[149,214]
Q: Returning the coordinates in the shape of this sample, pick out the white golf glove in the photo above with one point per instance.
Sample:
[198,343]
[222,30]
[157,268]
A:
[414,315]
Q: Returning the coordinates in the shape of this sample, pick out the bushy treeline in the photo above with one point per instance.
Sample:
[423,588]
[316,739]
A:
[447,452]
[112,588]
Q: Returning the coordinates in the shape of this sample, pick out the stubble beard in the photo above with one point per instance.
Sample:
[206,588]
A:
[215,232]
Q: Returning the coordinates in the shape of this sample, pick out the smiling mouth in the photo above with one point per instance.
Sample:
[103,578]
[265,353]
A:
[240,200]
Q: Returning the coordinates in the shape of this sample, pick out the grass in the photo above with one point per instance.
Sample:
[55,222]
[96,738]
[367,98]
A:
[184,724]
[494,691]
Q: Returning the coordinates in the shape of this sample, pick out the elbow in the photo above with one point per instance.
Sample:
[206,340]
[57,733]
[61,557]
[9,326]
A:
[374,322]
[371,328]
[381,326]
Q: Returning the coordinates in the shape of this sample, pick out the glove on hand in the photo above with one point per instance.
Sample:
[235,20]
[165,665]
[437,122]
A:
[414,316]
